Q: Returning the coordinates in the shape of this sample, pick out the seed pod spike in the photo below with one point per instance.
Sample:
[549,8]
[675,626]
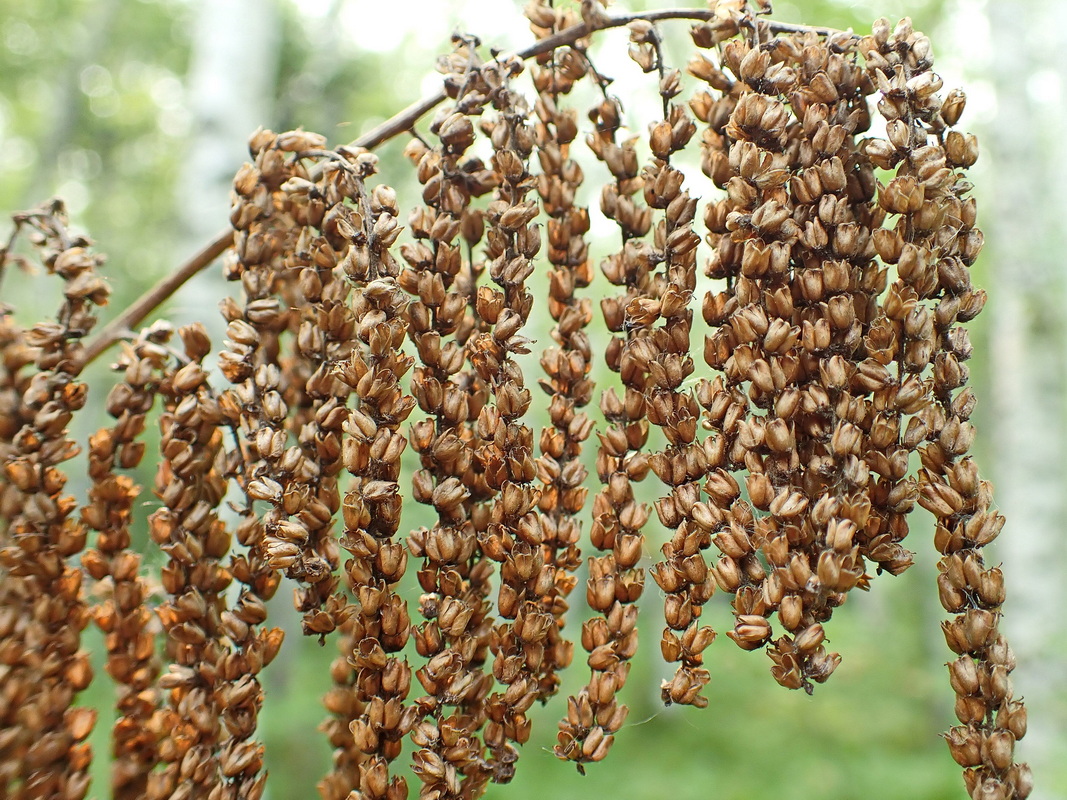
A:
[458,476]
[45,611]
[372,679]
[665,333]
[132,661]
[566,363]
[516,532]
[615,580]
[933,246]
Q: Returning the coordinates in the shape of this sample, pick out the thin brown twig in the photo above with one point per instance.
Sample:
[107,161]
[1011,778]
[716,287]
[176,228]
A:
[119,327]
[6,249]
[399,123]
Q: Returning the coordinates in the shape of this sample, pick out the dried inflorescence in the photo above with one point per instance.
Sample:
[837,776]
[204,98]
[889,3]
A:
[933,246]
[284,258]
[615,580]
[371,507]
[122,612]
[42,733]
[444,314]
[514,536]
[662,351]
[216,652]
[792,238]
[835,352]
[567,363]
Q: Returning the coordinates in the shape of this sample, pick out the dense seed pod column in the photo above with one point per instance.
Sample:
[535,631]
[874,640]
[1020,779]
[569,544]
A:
[729,349]
[615,581]
[514,536]
[753,337]
[199,752]
[254,645]
[381,628]
[310,279]
[934,244]
[43,750]
[453,639]
[830,204]
[793,237]
[567,363]
[274,215]
[124,616]
[326,261]
[15,375]
[662,351]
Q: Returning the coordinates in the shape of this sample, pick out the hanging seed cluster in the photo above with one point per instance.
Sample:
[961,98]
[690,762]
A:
[123,614]
[567,363]
[830,264]
[43,751]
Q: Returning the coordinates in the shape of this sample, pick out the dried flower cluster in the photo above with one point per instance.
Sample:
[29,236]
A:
[42,739]
[124,616]
[835,351]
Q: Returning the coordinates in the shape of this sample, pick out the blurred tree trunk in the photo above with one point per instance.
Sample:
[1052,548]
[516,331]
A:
[1022,216]
[231,84]
[230,89]
[316,80]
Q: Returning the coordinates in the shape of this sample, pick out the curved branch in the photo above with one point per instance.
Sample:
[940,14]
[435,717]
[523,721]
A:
[400,122]
[120,327]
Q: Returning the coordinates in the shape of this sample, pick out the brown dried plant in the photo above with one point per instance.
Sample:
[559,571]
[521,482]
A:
[837,264]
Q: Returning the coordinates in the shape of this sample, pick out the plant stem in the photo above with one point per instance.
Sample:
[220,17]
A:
[120,327]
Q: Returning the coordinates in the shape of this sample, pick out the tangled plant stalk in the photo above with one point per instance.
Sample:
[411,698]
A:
[838,282]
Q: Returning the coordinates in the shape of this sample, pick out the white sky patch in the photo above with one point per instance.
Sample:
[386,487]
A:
[314,8]
[75,194]
[1045,87]
[382,27]
[964,42]
[981,103]
[970,28]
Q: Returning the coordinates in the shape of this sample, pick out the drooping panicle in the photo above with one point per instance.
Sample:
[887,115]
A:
[568,362]
[662,327]
[373,712]
[615,580]
[837,234]
[123,614]
[293,325]
[454,637]
[933,245]
[43,747]
[514,537]
[206,728]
